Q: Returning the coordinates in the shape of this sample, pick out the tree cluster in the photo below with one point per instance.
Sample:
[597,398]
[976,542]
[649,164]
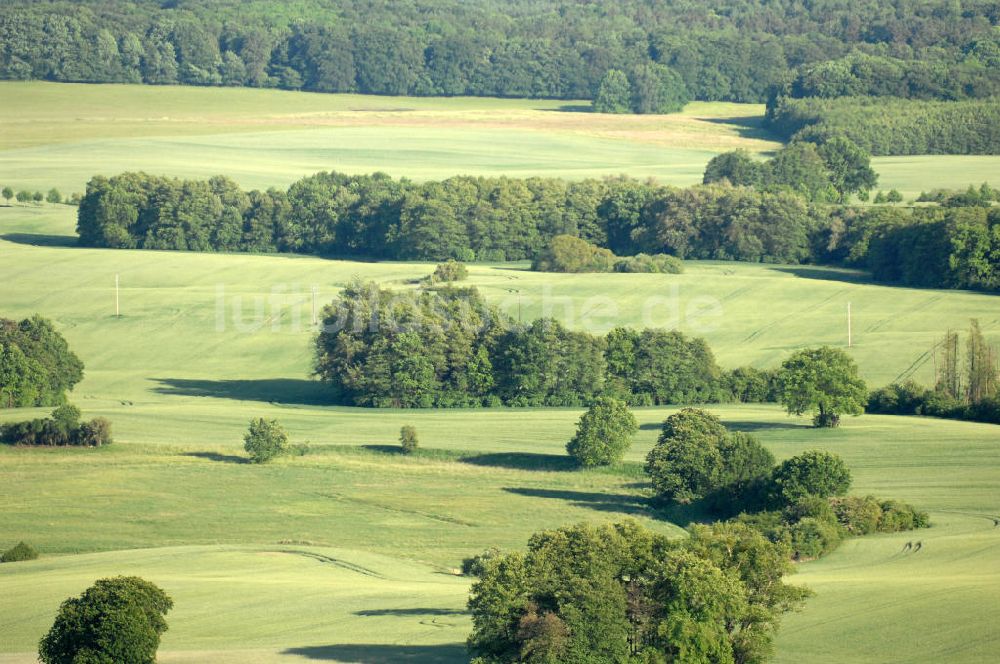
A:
[447,348]
[719,50]
[37,367]
[649,88]
[622,593]
[63,427]
[19,552]
[891,126]
[829,172]
[463,218]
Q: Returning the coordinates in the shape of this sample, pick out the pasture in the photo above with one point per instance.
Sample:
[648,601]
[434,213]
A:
[347,552]
[59,135]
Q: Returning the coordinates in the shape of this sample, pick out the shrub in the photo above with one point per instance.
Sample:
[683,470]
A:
[566,253]
[265,440]
[408,439]
[898,516]
[857,515]
[19,552]
[811,538]
[603,434]
[116,620]
[655,264]
[448,272]
[95,433]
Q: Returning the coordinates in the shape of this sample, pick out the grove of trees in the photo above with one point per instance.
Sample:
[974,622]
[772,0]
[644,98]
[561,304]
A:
[447,348]
[37,367]
[718,50]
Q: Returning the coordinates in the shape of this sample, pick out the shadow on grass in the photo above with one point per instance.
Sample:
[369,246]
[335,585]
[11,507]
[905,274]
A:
[217,456]
[830,274]
[385,449]
[602,502]
[40,240]
[523,461]
[273,390]
[651,426]
[361,653]
[747,126]
[750,427]
[412,612]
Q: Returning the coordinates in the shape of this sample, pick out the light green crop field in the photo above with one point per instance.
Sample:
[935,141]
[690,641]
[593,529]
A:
[347,553]
[59,135]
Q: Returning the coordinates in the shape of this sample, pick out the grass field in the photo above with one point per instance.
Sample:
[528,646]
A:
[59,135]
[347,552]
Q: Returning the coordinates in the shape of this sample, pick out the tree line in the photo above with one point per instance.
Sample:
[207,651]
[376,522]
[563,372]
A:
[464,218]
[445,347]
[891,126]
[720,50]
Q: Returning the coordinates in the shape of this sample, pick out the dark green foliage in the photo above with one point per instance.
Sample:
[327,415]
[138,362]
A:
[476,565]
[622,593]
[53,196]
[695,457]
[739,168]
[824,381]
[24,196]
[408,439]
[38,197]
[655,264]
[657,88]
[62,427]
[18,553]
[603,434]
[886,126]
[7,193]
[37,367]
[265,440]
[447,348]
[614,94]
[813,473]
[751,385]
[116,620]
[537,49]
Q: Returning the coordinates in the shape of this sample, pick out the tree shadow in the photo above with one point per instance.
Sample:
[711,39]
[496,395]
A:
[830,274]
[523,461]
[362,653]
[747,126]
[602,502]
[273,390]
[651,426]
[751,427]
[572,108]
[412,612]
[384,449]
[40,240]
[217,456]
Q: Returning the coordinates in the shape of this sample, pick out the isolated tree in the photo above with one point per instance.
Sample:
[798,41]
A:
[849,166]
[117,620]
[408,439]
[603,434]
[264,440]
[53,196]
[8,194]
[449,271]
[614,94]
[813,473]
[824,381]
[657,88]
[23,196]
[894,196]
[38,197]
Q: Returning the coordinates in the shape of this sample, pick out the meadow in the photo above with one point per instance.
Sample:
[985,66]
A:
[59,135]
[347,551]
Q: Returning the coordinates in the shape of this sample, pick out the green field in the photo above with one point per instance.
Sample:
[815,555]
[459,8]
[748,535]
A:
[347,552]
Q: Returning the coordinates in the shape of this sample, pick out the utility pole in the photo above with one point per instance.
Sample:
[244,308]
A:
[315,290]
[117,308]
[849,339]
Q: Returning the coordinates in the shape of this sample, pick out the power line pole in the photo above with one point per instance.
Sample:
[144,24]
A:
[314,294]
[849,339]
[117,308]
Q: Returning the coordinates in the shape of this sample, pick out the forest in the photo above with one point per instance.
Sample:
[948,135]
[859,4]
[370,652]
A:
[952,245]
[721,50]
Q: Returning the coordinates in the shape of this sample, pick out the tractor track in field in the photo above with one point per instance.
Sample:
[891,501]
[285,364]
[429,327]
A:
[330,560]
[398,510]
[798,313]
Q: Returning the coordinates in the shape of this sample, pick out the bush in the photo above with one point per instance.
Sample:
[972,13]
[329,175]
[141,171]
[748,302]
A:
[857,515]
[566,253]
[898,516]
[95,433]
[116,620]
[811,538]
[448,272]
[61,428]
[655,264]
[19,552]
[408,439]
[603,434]
[812,473]
[265,440]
